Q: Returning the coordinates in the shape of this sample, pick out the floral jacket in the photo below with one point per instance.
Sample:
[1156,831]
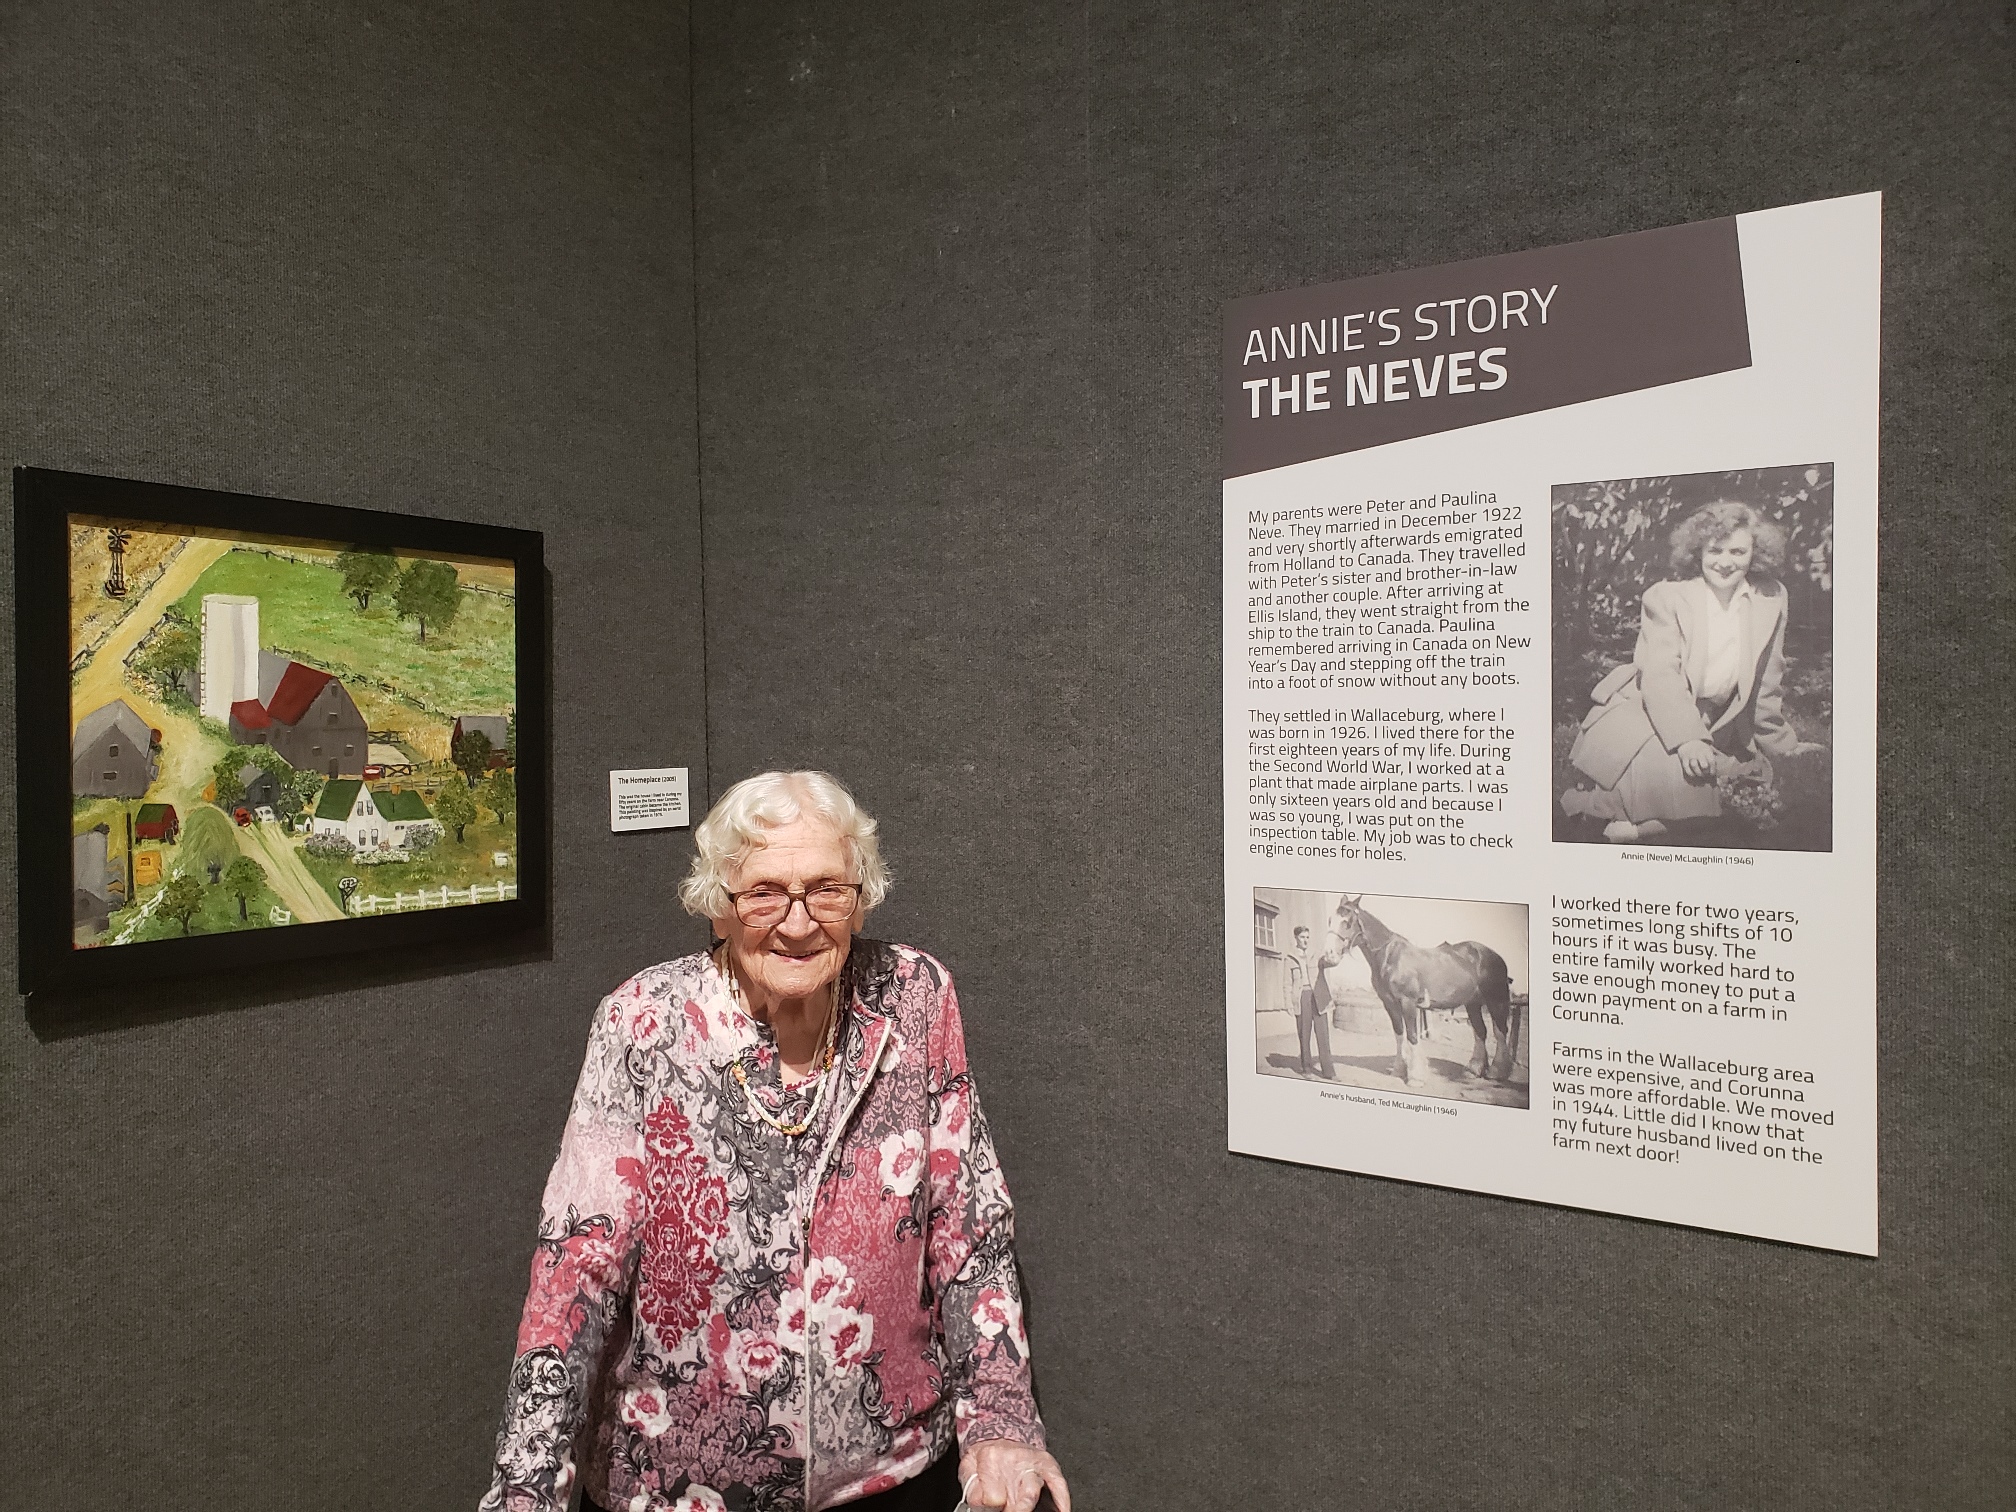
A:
[741,1319]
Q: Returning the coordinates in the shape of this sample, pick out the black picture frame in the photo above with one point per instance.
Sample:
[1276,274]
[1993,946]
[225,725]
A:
[50,963]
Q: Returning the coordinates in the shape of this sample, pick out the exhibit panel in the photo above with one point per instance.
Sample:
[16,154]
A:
[1550,724]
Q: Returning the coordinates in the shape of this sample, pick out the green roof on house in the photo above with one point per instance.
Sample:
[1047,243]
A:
[152,813]
[339,796]
[402,804]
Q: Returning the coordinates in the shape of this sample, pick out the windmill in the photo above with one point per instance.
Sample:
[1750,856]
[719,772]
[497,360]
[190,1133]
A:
[115,585]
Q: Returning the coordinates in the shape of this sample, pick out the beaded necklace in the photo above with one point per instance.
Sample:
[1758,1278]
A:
[822,1062]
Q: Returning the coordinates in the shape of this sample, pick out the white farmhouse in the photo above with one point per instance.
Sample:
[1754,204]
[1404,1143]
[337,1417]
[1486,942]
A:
[380,819]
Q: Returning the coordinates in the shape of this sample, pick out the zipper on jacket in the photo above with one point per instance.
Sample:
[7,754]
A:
[844,1116]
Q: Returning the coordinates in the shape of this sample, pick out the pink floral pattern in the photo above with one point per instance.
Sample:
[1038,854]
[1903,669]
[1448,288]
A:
[902,1162]
[746,1322]
[644,1409]
[847,1338]
[687,1212]
[991,1314]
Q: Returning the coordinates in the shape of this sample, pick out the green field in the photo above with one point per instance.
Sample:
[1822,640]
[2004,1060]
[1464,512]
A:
[206,838]
[470,668]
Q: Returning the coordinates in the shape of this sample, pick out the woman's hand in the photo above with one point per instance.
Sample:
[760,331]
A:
[1697,760]
[1003,1473]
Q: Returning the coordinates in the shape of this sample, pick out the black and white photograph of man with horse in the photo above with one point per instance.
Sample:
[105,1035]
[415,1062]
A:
[1418,995]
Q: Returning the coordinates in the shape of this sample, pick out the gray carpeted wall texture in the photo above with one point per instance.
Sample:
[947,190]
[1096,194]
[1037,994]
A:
[429,258]
[924,314]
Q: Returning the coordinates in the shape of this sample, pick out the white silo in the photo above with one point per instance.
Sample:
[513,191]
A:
[230,653]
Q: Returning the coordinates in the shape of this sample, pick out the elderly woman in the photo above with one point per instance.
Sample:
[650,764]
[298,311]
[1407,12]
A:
[776,1264]
[1700,698]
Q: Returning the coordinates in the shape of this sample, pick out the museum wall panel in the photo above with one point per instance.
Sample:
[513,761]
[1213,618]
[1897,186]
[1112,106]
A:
[960,282]
[267,1241]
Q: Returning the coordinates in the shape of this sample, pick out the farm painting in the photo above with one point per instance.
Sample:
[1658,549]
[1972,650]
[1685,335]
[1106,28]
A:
[271,732]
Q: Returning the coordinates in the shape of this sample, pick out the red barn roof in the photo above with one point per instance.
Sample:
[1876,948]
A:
[250,713]
[298,688]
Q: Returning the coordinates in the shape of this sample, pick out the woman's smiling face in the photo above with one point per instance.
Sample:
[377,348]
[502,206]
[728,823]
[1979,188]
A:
[799,955]
[1726,562]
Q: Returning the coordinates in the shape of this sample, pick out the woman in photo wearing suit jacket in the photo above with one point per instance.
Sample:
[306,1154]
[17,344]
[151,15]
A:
[1699,698]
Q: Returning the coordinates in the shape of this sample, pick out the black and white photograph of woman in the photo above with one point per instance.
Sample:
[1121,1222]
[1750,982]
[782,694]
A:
[1693,652]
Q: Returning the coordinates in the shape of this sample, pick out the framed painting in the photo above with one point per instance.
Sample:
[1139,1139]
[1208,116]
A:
[255,730]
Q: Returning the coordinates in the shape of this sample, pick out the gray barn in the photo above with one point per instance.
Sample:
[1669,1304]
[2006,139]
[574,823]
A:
[111,755]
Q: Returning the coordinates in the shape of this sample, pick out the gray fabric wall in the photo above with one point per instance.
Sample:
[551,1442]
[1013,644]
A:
[418,257]
[960,275]
[958,279]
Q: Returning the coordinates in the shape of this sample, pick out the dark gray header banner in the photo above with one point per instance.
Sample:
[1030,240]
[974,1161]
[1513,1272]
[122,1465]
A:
[1340,367]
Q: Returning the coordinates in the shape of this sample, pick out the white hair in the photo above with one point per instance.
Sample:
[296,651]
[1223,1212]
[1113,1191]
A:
[736,824]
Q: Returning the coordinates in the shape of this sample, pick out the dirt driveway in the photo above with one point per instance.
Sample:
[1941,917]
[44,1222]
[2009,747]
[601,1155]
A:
[293,882]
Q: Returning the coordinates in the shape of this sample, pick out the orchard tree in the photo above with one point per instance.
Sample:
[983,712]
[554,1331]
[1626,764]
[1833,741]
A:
[471,755]
[230,786]
[455,808]
[171,657]
[427,592]
[242,879]
[182,900]
[500,795]
[366,570]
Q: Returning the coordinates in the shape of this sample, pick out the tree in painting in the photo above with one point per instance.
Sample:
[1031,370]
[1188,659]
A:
[455,808]
[428,593]
[242,879]
[182,900]
[170,659]
[471,755]
[229,786]
[500,795]
[366,570]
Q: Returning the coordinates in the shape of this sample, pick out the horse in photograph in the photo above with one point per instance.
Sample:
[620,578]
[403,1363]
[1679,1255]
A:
[1411,979]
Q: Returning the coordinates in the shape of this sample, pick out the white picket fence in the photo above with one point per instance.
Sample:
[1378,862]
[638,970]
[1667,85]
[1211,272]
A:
[434,897]
[125,936]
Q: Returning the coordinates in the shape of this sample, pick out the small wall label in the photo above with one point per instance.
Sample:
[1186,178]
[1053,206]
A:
[648,799]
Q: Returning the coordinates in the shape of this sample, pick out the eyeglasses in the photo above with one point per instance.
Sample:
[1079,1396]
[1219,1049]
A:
[827,903]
